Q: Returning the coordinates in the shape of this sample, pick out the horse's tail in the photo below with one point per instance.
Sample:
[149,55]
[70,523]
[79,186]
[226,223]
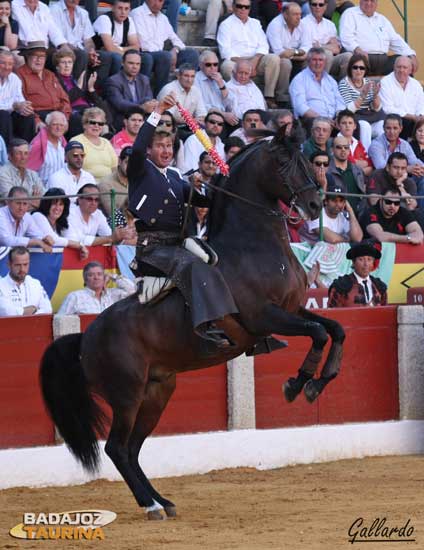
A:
[68,400]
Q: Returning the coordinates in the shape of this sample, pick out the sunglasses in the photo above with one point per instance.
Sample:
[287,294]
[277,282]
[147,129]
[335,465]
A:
[91,199]
[96,123]
[321,163]
[242,6]
[210,64]
[164,123]
[359,67]
[390,201]
[77,155]
[215,122]
[346,147]
[317,4]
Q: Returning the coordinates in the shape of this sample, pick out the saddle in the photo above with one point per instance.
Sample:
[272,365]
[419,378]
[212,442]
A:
[151,289]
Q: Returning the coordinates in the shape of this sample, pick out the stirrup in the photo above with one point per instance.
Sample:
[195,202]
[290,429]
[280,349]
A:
[201,249]
[150,288]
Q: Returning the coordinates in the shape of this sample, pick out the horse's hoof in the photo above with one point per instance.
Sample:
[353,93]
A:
[171,511]
[311,391]
[155,515]
[290,390]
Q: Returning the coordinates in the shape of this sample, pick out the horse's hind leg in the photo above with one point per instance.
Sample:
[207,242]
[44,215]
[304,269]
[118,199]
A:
[157,395]
[331,367]
[117,448]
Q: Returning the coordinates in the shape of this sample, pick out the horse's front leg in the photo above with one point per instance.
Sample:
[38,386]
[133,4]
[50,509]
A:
[333,362]
[276,320]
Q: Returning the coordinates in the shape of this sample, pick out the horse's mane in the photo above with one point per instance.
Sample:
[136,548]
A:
[284,147]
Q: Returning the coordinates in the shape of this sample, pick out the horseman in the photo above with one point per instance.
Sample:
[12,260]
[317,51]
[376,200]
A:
[157,197]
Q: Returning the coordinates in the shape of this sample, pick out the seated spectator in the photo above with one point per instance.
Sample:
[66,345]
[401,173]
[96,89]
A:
[338,220]
[71,177]
[357,155]
[118,181]
[100,157]
[241,36]
[214,9]
[417,141]
[128,88]
[47,149]
[16,173]
[359,288]
[345,174]
[321,32]
[286,36]
[82,94]
[9,27]
[393,176]
[76,27]
[364,31]
[388,221]
[252,119]
[3,152]
[36,24]
[246,95]
[167,122]
[116,33]
[313,91]
[186,93]
[280,118]
[153,30]
[51,218]
[212,86]
[390,142]
[21,294]
[403,95]
[361,97]
[320,140]
[320,161]
[16,113]
[88,225]
[214,124]
[232,146]
[40,86]
[17,228]
[133,120]
[204,174]
[96,297]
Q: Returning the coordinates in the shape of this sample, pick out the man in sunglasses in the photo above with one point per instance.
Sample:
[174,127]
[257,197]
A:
[320,31]
[388,221]
[88,224]
[212,86]
[345,173]
[71,177]
[363,30]
[214,124]
[241,37]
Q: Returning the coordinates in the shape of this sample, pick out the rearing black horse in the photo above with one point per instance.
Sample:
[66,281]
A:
[130,355]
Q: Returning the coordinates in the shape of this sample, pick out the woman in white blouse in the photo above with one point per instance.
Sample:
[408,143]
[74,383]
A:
[52,219]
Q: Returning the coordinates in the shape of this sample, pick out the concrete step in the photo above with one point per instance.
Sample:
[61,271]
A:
[191,27]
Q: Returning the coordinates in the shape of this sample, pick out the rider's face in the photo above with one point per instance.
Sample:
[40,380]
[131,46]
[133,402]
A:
[161,152]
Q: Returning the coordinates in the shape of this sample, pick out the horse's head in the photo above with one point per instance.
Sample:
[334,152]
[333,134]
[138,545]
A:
[288,175]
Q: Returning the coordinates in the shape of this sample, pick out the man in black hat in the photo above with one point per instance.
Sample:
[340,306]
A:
[339,221]
[359,288]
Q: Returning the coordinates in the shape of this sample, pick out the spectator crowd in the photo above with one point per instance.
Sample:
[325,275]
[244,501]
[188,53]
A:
[76,85]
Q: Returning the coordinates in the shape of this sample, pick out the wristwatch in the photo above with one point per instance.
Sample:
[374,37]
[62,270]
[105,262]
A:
[223,87]
[408,237]
[296,52]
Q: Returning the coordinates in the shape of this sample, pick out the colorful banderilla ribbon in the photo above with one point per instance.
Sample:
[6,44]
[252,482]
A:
[204,140]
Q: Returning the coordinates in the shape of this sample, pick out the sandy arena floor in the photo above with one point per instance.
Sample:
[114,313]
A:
[307,507]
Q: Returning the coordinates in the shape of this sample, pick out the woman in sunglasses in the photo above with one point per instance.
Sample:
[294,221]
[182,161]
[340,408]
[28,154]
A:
[100,157]
[361,96]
